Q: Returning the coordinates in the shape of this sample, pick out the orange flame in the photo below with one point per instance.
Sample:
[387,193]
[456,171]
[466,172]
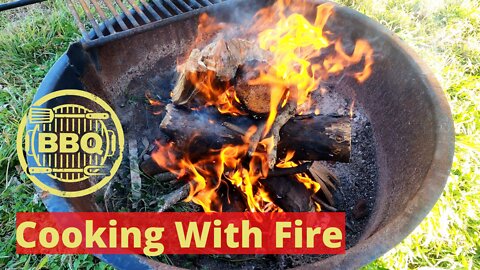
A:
[301,177]
[221,96]
[206,174]
[302,57]
[155,104]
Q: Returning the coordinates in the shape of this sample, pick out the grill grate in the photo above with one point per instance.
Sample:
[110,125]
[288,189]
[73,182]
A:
[109,18]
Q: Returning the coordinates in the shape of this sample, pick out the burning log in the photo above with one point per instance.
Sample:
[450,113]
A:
[232,199]
[317,137]
[256,98]
[321,137]
[151,168]
[302,168]
[220,65]
[289,194]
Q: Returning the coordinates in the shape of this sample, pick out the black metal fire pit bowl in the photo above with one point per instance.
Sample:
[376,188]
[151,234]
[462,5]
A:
[410,117]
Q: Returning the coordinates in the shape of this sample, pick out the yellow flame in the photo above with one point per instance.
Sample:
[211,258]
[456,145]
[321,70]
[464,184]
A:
[302,56]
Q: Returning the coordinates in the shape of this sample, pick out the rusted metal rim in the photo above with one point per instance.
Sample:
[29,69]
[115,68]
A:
[381,240]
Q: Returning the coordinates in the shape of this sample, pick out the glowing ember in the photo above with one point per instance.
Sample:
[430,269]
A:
[301,56]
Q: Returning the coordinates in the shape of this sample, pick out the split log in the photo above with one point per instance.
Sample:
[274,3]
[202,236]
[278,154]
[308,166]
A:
[236,60]
[224,57]
[321,137]
[256,98]
[289,194]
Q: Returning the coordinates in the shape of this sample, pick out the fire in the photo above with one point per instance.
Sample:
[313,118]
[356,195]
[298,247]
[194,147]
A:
[154,103]
[222,97]
[206,175]
[296,44]
[301,177]
[303,55]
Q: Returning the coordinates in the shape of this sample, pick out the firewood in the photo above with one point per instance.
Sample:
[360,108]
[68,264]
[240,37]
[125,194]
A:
[289,194]
[322,137]
[223,57]
[167,201]
[302,168]
[281,119]
[231,198]
[151,168]
[256,98]
[255,139]
[196,133]
[183,91]
[165,177]
[325,207]
[312,138]
[324,177]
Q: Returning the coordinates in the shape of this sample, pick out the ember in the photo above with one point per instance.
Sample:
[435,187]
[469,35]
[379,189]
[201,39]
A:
[243,126]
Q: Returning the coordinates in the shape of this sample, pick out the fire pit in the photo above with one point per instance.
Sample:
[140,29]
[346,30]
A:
[400,147]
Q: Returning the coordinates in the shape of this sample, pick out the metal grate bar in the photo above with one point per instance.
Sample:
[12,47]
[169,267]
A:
[162,8]
[205,2]
[184,5]
[139,11]
[172,6]
[77,19]
[107,19]
[151,10]
[112,9]
[194,4]
[90,17]
[127,13]
[103,16]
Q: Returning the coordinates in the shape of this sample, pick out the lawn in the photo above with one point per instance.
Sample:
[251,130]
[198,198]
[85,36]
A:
[446,33]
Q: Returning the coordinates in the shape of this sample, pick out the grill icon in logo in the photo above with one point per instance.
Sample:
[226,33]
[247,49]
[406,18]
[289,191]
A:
[70,149]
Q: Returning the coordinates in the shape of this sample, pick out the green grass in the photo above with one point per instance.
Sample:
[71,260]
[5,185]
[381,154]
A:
[447,36]
[31,39]
[445,33]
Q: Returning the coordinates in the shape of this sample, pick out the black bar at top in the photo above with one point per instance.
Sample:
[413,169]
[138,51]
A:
[18,3]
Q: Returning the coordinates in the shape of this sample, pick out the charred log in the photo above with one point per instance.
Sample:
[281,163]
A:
[302,168]
[231,198]
[326,179]
[289,194]
[150,168]
[321,137]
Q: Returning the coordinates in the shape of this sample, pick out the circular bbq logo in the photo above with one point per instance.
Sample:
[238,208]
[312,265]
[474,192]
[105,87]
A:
[70,143]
